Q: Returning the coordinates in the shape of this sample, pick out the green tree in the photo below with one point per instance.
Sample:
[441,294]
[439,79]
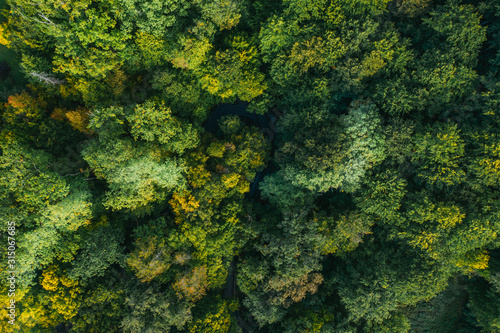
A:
[332,152]
[234,72]
[484,296]
[102,306]
[456,31]
[154,122]
[373,290]
[151,310]
[101,248]
[156,18]
[136,172]
[49,208]
[150,258]
[134,180]
[438,154]
[213,315]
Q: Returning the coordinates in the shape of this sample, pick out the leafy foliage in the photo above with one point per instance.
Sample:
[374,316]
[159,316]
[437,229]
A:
[354,187]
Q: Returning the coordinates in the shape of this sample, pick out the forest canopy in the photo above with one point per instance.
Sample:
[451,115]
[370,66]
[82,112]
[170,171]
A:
[250,166]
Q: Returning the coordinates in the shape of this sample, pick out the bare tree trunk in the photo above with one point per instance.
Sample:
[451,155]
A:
[46,78]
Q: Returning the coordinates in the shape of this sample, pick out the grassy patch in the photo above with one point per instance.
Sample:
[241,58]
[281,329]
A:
[3,6]
[15,80]
[13,60]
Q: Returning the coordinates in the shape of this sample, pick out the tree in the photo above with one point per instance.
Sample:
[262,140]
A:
[23,107]
[383,187]
[210,212]
[154,122]
[136,172]
[192,285]
[155,311]
[101,248]
[484,296]
[57,300]
[456,29]
[372,291]
[135,181]
[337,153]
[50,209]
[344,234]
[224,13]
[213,315]
[283,194]
[309,318]
[437,155]
[150,258]
[234,72]
[102,306]
[155,18]
[485,165]
[287,270]
[84,40]
[184,93]
[78,119]
[382,196]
